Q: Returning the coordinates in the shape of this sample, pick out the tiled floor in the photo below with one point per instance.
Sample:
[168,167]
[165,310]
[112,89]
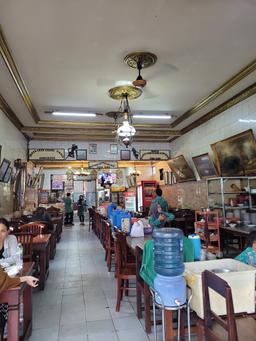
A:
[78,303]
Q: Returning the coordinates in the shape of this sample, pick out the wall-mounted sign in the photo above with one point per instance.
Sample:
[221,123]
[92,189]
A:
[154,155]
[102,165]
[46,154]
[81,177]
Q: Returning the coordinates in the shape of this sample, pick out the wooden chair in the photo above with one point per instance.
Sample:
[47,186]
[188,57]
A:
[53,211]
[109,246]
[90,210]
[104,227]
[125,270]
[32,228]
[142,289]
[26,240]
[217,328]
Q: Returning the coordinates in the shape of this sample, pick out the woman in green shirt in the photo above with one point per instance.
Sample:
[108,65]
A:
[68,209]
[248,256]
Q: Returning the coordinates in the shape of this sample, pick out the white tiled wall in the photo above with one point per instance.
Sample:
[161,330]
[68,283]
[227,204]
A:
[198,141]
[14,146]
[103,148]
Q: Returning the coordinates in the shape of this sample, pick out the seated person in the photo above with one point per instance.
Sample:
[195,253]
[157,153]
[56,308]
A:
[8,243]
[248,256]
[6,283]
[41,215]
[160,200]
[158,217]
[147,271]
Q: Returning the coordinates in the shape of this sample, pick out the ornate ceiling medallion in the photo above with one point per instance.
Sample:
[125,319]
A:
[124,91]
[145,58]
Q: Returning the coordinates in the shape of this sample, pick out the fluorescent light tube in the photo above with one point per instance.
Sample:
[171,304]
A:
[247,121]
[76,114]
[160,117]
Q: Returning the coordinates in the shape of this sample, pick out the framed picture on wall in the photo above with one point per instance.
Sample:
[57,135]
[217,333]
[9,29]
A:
[236,155]
[125,155]
[204,166]
[113,149]
[181,169]
[8,174]
[3,168]
[81,154]
[93,148]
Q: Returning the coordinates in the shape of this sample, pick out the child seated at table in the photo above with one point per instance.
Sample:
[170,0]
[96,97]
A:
[248,256]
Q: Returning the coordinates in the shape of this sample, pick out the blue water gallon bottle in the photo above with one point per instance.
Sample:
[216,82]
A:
[171,291]
[168,251]
[111,207]
[195,239]
[115,217]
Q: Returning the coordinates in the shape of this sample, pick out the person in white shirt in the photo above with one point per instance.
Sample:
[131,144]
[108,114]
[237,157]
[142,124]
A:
[8,243]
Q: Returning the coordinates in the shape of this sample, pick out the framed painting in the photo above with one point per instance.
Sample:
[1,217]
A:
[125,155]
[181,169]
[93,148]
[113,149]
[204,166]
[236,155]
[81,154]
[3,168]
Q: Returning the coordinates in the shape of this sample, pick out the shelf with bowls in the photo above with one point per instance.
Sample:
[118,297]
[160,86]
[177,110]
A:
[235,197]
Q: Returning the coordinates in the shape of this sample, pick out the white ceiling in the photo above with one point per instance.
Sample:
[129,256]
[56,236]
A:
[70,52]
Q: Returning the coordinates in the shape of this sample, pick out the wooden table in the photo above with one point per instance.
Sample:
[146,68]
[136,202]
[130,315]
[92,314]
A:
[13,297]
[41,245]
[136,246]
[241,232]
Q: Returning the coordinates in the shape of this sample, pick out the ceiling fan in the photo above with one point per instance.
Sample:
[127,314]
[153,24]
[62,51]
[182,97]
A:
[139,61]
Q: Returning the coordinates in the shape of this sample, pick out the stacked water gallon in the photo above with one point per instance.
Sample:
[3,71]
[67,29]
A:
[168,257]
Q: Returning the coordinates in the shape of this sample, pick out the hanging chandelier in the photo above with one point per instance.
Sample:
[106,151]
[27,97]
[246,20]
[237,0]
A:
[125,132]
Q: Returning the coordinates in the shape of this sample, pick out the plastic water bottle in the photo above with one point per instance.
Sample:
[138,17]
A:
[19,256]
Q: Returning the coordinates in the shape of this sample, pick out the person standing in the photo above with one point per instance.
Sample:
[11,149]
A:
[68,210]
[81,209]
[159,200]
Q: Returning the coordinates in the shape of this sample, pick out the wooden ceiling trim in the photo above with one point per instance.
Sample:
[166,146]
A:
[48,137]
[7,110]
[241,96]
[16,76]
[84,131]
[104,125]
[248,69]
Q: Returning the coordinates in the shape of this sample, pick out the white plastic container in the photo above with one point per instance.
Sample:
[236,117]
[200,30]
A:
[241,281]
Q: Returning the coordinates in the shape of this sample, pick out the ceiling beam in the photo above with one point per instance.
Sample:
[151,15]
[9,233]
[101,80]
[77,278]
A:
[16,76]
[248,69]
[84,131]
[7,110]
[241,96]
[104,125]
[59,137]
